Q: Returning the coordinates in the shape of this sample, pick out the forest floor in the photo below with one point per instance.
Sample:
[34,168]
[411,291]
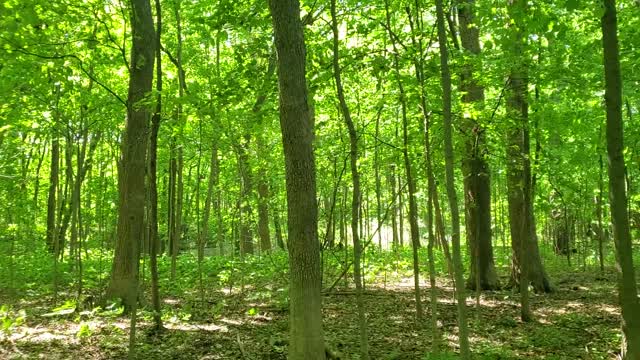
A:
[579,320]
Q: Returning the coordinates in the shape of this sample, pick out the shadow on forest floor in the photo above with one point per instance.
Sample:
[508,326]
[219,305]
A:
[578,321]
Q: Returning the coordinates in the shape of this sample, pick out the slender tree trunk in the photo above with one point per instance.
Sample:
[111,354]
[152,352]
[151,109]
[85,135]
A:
[278,229]
[627,288]
[306,340]
[600,232]
[376,165]
[53,177]
[178,161]
[413,207]
[153,181]
[394,206]
[355,178]
[213,168]
[65,206]
[246,236]
[263,214]
[463,336]
[518,167]
[36,186]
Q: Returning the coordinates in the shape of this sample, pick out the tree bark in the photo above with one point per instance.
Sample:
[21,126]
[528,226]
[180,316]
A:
[306,341]
[131,174]
[244,168]
[521,215]
[356,193]
[475,169]
[213,173]
[53,178]
[413,207]
[445,81]
[627,288]
[152,222]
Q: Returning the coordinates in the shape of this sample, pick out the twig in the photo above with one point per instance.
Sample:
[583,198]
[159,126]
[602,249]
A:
[244,353]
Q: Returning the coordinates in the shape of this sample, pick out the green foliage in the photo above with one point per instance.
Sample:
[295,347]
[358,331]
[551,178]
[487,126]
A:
[11,319]
[84,331]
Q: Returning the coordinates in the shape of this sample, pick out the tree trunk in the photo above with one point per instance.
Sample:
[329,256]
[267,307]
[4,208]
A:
[627,288]
[263,214]
[413,207]
[213,169]
[53,178]
[463,336]
[306,341]
[178,164]
[394,206]
[124,275]
[521,216]
[355,178]
[475,170]
[278,230]
[152,222]
[246,236]
[600,230]
[376,164]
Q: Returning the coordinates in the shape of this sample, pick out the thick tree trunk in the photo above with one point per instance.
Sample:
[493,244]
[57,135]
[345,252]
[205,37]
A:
[627,288]
[445,80]
[475,170]
[306,340]
[131,174]
[521,216]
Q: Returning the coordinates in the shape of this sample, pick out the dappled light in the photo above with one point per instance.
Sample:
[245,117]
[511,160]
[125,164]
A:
[319,180]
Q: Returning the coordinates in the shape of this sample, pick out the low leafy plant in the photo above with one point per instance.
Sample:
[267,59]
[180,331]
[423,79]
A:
[11,319]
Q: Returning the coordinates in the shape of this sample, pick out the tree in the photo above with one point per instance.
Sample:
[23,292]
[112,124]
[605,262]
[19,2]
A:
[152,221]
[411,183]
[627,288]
[445,81]
[306,341]
[475,169]
[355,178]
[131,174]
[521,214]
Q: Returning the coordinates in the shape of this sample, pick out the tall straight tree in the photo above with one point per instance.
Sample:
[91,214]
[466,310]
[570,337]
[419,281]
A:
[411,182]
[306,340]
[53,176]
[445,80]
[355,179]
[518,165]
[152,221]
[131,170]
[627,288]
[477,186]
[521,216]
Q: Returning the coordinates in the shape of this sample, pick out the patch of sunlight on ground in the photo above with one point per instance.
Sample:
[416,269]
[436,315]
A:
[613,310]
[231,321]
[197,327]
